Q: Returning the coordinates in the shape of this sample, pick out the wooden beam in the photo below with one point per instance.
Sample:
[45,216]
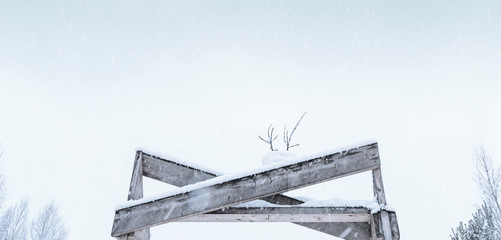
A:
[344,230]
[377,226]
[135,193]
[136,181]
[172,173]
[180,175]
[284,214]
[395,231]
[244,189]
[383,216]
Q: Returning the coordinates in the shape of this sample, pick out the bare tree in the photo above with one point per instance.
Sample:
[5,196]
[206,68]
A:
[288,136]
[3,191]
[270,138]
[14,220]
[489,179]
[486,222]
[48,225]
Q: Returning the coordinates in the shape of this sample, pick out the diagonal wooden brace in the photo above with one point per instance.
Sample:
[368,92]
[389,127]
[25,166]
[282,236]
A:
[244,189]
[135,193]
[180,175]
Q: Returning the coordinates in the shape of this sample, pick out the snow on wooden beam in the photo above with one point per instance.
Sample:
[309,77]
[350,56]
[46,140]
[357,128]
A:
[180,175]
[285,214]
[384,216]
[344,230]
[177,174]
[246,188]
[136,192]
[171,172]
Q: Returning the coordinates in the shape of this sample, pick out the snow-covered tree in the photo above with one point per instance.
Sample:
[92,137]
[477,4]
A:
[13,222]
[486,221]
[2,187]
[480,227]
[48,225]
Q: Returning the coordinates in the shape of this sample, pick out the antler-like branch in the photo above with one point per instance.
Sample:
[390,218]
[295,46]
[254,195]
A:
[271,138]
[288,137]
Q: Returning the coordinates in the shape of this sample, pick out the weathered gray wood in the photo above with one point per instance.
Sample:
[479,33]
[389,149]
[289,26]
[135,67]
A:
[284,214]
[136,181]
[377,180]
[377,226]
[395,231]
[172,173]
[344,230]
[247,188]
[180,175]
[135,193]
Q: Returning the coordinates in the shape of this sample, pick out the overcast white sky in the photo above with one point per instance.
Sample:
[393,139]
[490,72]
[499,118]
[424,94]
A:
[85,83]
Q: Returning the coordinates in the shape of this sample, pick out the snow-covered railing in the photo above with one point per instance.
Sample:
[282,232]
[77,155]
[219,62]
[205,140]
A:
[204,196]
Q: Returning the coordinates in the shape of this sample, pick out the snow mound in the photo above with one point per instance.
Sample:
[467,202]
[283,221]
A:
[277,156]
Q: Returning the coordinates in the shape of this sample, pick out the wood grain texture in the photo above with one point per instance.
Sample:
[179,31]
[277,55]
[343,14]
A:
[383,217]
[171,172]
[135,193]
[244,189]
[344,230]
[285,214]
[180,175]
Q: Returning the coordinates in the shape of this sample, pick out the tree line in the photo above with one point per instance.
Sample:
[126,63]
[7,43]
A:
[15,223]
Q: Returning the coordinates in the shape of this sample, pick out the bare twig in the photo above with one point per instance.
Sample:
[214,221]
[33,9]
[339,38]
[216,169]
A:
[271,138]
[288,137]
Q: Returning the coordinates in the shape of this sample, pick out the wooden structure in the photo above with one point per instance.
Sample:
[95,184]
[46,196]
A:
[217,201]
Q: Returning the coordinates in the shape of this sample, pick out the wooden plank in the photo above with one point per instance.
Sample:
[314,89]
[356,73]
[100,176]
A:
[345,230]
[172,173]
[395,231]
[180,175]
[136,181]
[285,214]
[377,181]
[135,193]
[383,217]
[377,226]
[244,189]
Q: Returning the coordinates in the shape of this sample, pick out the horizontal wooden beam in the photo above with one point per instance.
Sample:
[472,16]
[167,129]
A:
[246,188]
[284,214]
[344,230]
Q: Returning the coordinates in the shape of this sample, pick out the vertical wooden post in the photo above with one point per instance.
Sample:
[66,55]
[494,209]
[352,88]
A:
[384,220]
[135,193]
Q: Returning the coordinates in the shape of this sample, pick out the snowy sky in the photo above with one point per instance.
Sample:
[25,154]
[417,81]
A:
[85,83]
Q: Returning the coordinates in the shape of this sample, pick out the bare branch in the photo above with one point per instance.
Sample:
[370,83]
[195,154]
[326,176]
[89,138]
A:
[489,179]
[288,137]
[48,225]
[271,138]
[13,222]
